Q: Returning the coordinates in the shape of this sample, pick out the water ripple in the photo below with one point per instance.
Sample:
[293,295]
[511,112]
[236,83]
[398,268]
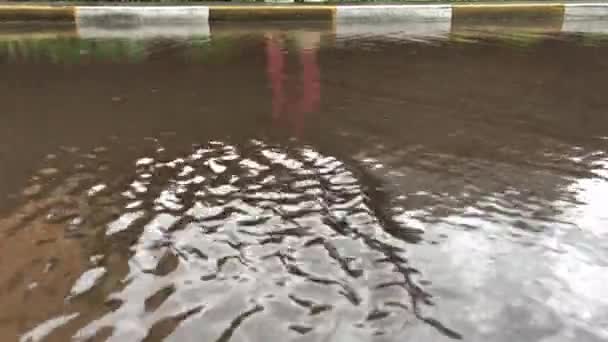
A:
[225,241]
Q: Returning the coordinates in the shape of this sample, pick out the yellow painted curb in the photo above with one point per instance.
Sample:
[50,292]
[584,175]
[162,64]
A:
[289,12]
[501,11]
[43,13]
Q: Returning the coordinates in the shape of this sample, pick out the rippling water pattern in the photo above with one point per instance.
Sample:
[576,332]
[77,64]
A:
[272,183]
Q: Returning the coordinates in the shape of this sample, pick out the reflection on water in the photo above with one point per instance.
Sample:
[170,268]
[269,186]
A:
[271,183]
[272,231]
[305,100]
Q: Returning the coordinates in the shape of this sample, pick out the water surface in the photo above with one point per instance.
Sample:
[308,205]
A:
[278,183]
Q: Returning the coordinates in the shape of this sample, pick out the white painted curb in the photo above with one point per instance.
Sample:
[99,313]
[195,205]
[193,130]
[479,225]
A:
[586,18]
[139,14]
[394,12]
[585,12]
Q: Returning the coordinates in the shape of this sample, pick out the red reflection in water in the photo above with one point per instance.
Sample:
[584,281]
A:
[291,102]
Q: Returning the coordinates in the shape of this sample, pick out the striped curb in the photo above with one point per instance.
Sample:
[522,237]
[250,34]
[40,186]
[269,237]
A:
[566,11]
[140,22]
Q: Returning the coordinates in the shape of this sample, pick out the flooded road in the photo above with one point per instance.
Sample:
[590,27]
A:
[277,183]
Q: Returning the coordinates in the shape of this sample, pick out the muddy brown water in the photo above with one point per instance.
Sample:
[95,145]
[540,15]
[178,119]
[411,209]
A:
[277,183]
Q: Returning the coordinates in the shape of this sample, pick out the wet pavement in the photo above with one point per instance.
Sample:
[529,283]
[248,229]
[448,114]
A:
[278,183]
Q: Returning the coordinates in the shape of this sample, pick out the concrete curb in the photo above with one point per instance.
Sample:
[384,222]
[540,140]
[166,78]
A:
[28,13]
[429,20]
[568,11]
